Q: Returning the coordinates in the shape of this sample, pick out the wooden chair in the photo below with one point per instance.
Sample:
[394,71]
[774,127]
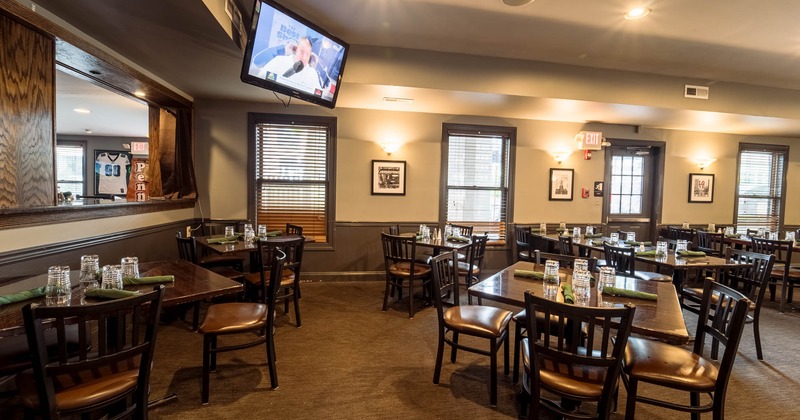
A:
[751,281]
[470,269]
[565,245]
[402,270]
[563,364]
[752,233]
[681,233]
[782,271]
[294,229]
[187,250]
[462,230]
[394,229]
[485,322]
[522,238]
[290,273]
[722,316]
[209,259]
[101,379]
[623,259]
[258,318]
[710,243]
[521,318]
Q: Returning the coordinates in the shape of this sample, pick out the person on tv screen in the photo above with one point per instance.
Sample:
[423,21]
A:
[297,67]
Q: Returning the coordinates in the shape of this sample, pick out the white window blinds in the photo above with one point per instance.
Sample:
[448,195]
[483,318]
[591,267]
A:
[70,168]
[761,186]
[293,176]
[477,181]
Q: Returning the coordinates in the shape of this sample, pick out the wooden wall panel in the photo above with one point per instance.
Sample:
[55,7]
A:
[27,94]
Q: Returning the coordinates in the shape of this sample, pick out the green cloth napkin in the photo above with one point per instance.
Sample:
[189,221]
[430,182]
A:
[147,280]
[569,296]
[594,235]
[616,291]
[651,253]
[110,293]
[274,233]
[735,235]
[691,254]
[20,296]
[457,239]
[646,243]
[222,240]
[528,273]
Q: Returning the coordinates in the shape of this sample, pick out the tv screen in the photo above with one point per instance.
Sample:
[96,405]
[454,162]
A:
[288,54]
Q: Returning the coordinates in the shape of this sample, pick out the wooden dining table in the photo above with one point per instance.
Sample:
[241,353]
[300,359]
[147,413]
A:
[235,246]
[192,284]
[661,319]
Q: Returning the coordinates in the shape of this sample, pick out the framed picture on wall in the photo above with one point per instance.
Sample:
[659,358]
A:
[561,181]
[112,169]
[388,177]
[701,188]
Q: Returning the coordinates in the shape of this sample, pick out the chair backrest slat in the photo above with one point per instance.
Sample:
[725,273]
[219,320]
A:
[622,258]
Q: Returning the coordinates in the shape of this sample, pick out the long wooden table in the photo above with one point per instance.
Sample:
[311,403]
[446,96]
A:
[660,319]
[192,283]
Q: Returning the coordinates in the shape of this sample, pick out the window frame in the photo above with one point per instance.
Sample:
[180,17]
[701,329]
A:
[82,146]
[771,148]
[511,134]
[255,118]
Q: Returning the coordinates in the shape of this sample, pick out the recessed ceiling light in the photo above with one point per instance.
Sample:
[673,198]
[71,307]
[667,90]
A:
[139,93]
[82,110]
[516,2]
[637,13]
[87,131]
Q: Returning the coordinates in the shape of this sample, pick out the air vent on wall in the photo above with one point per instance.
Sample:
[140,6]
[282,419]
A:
[696,92]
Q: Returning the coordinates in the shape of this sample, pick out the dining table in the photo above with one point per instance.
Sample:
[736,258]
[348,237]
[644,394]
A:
[192,284]
[661,318]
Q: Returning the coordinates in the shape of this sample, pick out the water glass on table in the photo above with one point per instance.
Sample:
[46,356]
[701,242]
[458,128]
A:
[580,264]
[607,278]
[729,230]
[790,236]
[58,289]
[590,230]
[543,228]
[614,239]
[631,237]
[581,286]
[661,249]
[90,268]
[681,245]
[262,231]
[112,277]
[576,233]
[130,267]
[229,232]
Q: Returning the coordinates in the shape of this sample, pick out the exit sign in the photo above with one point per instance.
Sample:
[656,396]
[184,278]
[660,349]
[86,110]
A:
[140,148]
[590,140]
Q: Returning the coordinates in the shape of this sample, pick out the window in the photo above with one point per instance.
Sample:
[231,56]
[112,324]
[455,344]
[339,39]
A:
[478,163]
[627,185]
[760,187]
[294,160]
[71,167]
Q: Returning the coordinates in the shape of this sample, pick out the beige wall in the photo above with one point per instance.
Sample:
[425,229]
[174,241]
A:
[222,149]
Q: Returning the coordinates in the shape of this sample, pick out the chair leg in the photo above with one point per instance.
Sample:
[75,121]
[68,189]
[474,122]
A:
[286,300]
[207,341]
[296,297]
[213,353]
[411,298]
[694,399]
[437,370]
[196,316]
[493,374]
[505,353]
[517,343]
[630,406]
[273,370]
[389,285]
[454,348]
[757,337]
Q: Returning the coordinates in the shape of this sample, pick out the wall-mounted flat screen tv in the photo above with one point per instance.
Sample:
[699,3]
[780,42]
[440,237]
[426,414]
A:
[288,54]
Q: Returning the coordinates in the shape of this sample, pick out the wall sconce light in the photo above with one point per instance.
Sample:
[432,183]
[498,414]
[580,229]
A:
[703,163]
[390,148]
[561,156]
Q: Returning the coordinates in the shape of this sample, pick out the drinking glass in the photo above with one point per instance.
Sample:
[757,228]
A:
[562,225]
[576,233]
[551,273]
[590,230]
[661,249]
[57,292]
[249,233]
[762,232]
[712,227]
[607,278]
[229,232]
[614,238]
[681,245]
[685,225]
[581,286]
[90,266]
[543,228]
[262,231]
[729,230]
[790,236]
[53,281]
[580,264]
[130,267]
[773,236]
[112,277]
[631,237]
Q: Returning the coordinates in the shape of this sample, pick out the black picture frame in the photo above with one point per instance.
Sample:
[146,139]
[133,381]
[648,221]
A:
[701,188]
[107,172]
[562,183]
[388,177]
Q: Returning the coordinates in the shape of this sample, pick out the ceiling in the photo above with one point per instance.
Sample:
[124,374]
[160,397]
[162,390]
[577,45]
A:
[707,42]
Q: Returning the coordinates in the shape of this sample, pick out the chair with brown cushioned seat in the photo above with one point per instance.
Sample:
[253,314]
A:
[256,318]
[472,320]
[470,269]
[290,275]
[521,318]
[574,369]
[402,269]
[656,363]
[208,259]
[751,280]
[709,242]
[781,271]
[522,238]
[116,372]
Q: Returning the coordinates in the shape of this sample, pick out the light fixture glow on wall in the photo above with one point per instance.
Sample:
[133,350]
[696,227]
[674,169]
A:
[82,110]
[560,156]
[704,163]
[637,13]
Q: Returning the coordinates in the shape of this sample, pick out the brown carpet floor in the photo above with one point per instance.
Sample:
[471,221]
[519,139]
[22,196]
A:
[352,361]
